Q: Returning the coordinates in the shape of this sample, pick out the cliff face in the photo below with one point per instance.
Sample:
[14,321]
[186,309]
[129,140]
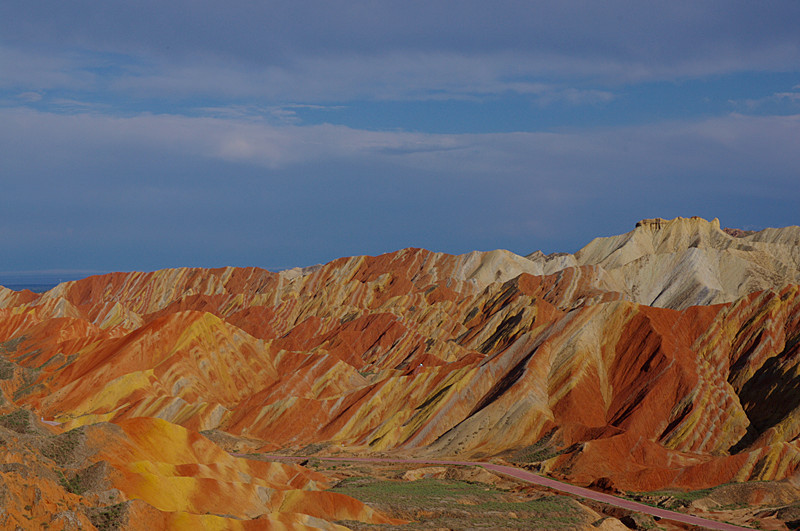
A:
[553,358]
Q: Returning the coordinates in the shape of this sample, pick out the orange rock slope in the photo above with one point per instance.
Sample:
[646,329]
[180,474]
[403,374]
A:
[147,473]
[431,354]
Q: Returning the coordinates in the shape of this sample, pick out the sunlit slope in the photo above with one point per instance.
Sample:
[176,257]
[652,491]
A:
[472,355]
[179,472]
[688,261]
[147,473]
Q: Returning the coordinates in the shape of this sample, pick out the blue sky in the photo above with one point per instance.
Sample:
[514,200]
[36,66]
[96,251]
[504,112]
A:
[144,135]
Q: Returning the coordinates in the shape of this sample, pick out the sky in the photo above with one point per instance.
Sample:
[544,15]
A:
[145,135]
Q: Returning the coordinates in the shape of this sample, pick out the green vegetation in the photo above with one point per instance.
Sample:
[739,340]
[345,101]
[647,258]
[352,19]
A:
[10,346]
[531,454]
[6,369]
[647,524]
[378,490]
[313,463]
[733,506]
[669,499]
[687,496]
[73,484]
[18,421]
[459,504]
[60,448]
[29,377]
[312,449]
[110,517]
[542,450]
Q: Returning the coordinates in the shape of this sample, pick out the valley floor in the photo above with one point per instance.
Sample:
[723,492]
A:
[434,494]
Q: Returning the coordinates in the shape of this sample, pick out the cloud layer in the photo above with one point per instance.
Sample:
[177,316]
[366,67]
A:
[145,135]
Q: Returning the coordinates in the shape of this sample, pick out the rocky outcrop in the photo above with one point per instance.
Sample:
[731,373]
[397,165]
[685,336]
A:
[689,261]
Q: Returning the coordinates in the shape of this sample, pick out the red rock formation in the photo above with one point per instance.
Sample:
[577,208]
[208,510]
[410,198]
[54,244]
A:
[414,351]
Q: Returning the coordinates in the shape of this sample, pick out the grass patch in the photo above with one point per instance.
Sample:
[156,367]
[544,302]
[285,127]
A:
[542,450]
[532,454]
[669,499]
[460,504]
[394,490]
[687,496]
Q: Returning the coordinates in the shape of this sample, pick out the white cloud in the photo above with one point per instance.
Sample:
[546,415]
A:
[777,97]
[29,97]
[37,71]
[77,106]
[732,145]
[574,37]
[791,96]
[433,72]
[126,179]
[407,75]
[575,96]
[346,77]
[286,114]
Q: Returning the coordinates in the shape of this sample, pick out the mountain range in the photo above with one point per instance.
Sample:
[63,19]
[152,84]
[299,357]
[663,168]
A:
[667,356]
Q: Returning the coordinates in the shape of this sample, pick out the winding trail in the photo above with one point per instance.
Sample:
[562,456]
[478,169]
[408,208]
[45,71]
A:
[536,479]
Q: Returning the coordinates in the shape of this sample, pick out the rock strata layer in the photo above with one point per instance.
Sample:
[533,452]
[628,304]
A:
[666,356]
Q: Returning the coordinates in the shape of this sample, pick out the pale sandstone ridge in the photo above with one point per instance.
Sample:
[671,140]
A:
[688,261]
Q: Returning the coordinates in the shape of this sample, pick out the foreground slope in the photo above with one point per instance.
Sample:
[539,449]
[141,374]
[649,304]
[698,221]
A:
[147,473]
[552,360]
